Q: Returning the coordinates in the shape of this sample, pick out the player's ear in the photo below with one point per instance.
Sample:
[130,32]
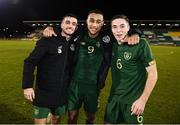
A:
[62,24]
[128,27]
[87,21]
[102,23]
[76,27]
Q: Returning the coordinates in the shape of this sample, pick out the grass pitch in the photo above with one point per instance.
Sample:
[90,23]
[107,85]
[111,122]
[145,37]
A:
[163,105]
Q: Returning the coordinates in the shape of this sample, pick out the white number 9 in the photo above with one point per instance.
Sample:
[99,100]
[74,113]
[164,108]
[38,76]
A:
[90,49]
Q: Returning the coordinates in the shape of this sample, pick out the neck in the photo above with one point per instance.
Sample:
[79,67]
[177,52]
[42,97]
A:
[123,40]
[120,42]
[93,35]
[66,36]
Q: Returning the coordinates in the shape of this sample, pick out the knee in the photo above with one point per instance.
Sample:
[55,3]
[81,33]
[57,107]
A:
[72,117]
[91,117]
[55,117]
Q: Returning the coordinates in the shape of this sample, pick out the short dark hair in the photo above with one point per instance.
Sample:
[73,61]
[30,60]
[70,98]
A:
[70,15]
[96,11]
[121,16]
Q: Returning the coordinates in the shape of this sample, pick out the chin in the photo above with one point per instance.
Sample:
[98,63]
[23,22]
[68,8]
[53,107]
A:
[118,39]
[93,33]
[69,33]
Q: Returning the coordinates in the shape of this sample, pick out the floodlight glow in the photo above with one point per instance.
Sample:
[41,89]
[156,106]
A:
[176,24]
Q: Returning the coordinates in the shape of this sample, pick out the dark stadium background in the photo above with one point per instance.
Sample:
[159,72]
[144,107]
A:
[14,11]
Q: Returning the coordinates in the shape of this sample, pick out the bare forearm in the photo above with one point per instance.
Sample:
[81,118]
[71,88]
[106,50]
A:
[150,83]
[138,106]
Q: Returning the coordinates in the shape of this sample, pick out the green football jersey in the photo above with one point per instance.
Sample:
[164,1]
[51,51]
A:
[89,60]
[128,68]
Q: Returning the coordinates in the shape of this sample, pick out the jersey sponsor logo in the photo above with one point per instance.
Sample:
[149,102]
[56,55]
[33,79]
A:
[106,39]
[90,49]
[127,55]
[59,49]
[72,47]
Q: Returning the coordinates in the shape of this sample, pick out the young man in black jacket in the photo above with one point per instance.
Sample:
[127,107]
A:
[91,64]
[53,59]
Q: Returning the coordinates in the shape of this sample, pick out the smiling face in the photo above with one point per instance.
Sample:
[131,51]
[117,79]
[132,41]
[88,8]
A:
[94,23]
[69,25]
[120,28]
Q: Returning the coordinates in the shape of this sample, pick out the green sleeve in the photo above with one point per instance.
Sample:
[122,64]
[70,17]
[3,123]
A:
[146,54]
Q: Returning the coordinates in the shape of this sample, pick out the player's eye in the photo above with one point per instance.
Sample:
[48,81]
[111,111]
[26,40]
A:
[91,20]
[74,23]
[114,26]
[67,22]
[99,21]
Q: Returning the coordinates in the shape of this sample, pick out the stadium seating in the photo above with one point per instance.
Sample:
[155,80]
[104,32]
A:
[162,37]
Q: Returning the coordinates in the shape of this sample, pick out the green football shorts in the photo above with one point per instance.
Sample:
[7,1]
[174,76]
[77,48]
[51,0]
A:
[83,94]
[117,112]
[42,112]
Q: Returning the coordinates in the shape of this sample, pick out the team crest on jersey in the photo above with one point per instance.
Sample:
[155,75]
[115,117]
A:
[106,39]
[72,47]
[127,55]
[59,49]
